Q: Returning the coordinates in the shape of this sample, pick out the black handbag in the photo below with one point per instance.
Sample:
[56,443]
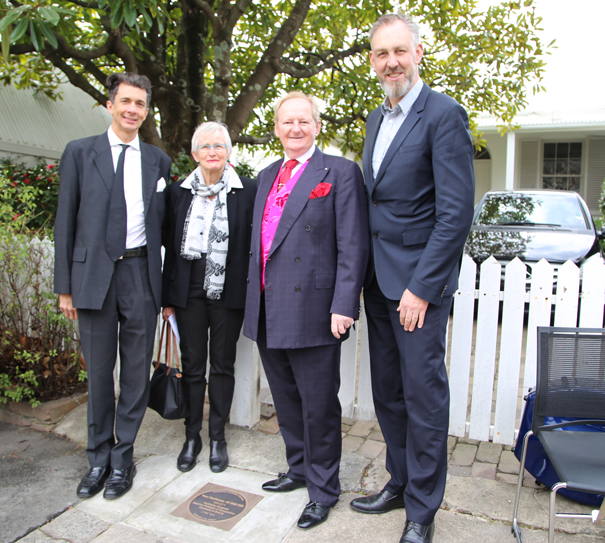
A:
[167,389]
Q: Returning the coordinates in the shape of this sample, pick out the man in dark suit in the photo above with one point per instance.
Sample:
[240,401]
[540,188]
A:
[108,273]
[418,166]
[308,257]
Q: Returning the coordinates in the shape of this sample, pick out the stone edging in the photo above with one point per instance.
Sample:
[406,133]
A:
[44,416]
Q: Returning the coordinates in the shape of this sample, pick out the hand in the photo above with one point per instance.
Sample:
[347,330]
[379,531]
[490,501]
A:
[340,324]
[411,311]
[167,312]
[67,307]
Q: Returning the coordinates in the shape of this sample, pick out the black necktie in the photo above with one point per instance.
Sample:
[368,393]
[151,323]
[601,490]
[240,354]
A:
[115,240]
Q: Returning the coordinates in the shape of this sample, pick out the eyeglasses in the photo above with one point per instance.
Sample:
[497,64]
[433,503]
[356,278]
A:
[218,147]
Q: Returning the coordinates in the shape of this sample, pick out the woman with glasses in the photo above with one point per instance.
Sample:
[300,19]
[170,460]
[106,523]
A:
[207,240]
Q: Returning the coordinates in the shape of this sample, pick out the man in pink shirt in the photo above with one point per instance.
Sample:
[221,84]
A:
[309,253]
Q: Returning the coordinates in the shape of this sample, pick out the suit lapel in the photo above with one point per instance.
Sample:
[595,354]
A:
[414,115]
[149,174]
[103,160]
[313,174]
[368,149]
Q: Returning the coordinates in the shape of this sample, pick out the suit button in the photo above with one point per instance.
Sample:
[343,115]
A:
[375,235]
[297,259]
[250,253]
[375,203]
[308,228]
[297,289]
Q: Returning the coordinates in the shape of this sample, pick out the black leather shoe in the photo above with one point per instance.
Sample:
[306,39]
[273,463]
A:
[378,503]
[417,533]
[189,453]
[219,459]
[314,514]
[92,482]
[283,483]
[119,482]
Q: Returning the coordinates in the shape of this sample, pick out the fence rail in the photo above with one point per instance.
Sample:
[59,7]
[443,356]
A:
[491,356]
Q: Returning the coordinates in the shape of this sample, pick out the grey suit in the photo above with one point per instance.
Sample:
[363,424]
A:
[108,295]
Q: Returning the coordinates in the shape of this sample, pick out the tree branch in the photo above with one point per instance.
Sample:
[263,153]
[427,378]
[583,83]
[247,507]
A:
[296,69]
[207,9]
[236,11]
[344,120]
[68,51]
[257,140]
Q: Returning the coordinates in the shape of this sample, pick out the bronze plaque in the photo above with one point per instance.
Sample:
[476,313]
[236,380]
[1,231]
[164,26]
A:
[219,506]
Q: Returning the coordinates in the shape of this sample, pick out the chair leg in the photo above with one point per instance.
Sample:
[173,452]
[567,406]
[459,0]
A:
[515,527]
[552,510]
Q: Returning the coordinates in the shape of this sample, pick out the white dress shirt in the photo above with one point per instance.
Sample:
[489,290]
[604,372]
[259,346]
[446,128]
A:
[301,160]
[391,123]
[133,188]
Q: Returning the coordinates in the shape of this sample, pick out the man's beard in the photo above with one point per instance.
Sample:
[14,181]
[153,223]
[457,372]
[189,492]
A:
[398,89]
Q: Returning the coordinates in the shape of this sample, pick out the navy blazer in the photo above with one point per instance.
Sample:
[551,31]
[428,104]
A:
[82,266]
[421,202]
[177,270]
[318,256]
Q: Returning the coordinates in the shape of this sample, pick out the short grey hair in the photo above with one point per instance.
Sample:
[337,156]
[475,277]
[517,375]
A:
[208,128]
[297,94]
[391,18]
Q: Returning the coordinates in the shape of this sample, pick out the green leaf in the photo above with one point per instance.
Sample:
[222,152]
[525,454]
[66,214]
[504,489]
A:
[130,14]
[34,32]
[50,15]
[6,33]
[48,33]
[20,30]
[12,16]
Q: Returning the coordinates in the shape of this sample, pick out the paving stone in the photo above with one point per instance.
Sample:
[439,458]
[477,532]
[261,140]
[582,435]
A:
[268,426]
[75,526]
[346,420]
[376,436]
[451,443]
[464,454]
[507,478]
[459,471]
[483,470]
[345,427]
[376,477]
[489,452]
[508,463]
[371,449]
[126,534]
[529,481]
[39,537]
[362,428]
[351,443]
[468,441]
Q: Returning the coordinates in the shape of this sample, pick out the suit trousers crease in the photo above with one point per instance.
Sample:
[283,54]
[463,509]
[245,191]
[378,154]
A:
[411,397]
[304,384]
[197,321]
[128,318]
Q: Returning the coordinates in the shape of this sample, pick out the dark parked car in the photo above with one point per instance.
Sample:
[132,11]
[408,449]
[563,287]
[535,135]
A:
[533,224]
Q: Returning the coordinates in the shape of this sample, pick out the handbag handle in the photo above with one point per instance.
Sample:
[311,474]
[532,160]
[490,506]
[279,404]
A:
[162,340]
[171,347]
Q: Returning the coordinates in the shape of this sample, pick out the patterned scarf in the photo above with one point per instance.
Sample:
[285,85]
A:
[218,235]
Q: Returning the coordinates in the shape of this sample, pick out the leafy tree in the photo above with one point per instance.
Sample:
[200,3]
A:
[228,60]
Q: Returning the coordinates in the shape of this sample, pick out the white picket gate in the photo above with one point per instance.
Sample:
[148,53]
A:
[491,356]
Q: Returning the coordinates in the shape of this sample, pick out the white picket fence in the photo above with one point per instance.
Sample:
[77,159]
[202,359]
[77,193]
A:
[491,356]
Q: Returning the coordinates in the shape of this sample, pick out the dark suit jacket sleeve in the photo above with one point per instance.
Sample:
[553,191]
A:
[65,221]
[352,241]
[452,162]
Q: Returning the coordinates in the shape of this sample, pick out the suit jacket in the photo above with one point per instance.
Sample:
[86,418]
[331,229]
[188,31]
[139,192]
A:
[82,266]
[317,259]
[177,270]
[421,202]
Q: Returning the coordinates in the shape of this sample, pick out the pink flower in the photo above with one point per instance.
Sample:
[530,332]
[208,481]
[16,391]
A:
[50,166]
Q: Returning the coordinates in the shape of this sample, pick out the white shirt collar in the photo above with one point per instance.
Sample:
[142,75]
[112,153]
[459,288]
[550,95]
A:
[406,102]
[304,157]
[114,140]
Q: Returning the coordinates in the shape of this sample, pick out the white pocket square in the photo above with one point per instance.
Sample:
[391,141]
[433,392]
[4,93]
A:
[161,185]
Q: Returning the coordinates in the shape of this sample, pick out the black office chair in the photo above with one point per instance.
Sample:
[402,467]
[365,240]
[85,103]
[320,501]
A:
[570,385]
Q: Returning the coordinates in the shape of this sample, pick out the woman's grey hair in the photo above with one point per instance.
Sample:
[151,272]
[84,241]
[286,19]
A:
[390,18]
[208,128]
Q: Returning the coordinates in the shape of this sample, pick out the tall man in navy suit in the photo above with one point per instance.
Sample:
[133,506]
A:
[309,253]
[108,273]
[418,166]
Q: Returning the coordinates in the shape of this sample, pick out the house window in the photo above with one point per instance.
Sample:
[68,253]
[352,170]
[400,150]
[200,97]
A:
[562,167]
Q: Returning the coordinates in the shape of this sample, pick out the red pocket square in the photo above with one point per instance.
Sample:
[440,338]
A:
[323,189]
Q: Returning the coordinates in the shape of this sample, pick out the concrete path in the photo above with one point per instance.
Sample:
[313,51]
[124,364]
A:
[477,507]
